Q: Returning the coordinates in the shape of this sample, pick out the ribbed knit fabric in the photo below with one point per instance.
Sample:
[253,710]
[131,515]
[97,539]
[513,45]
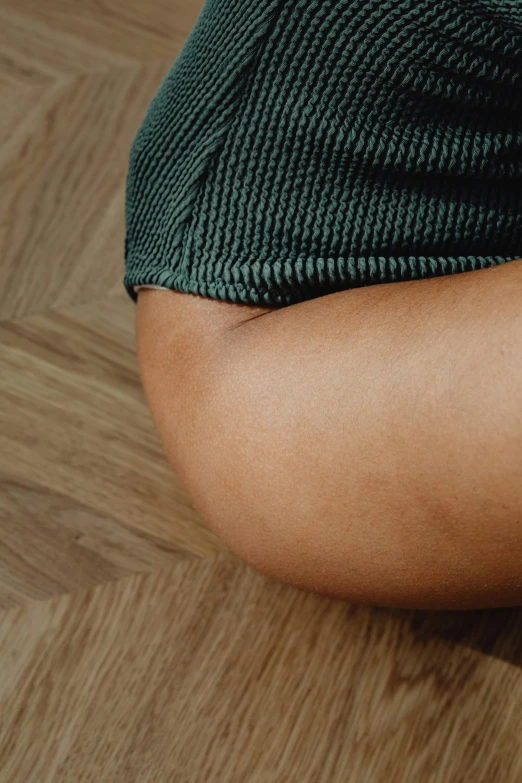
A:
[301,147]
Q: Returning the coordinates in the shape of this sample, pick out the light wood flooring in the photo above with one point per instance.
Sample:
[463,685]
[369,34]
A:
[133,646]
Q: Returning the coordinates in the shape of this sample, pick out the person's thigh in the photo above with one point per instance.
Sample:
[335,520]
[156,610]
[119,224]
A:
[188,317]
[181,340]
[364,444]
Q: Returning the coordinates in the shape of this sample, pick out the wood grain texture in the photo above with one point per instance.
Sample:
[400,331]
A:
[52,543]
[208,671]
[132,647]
[74,426]
[142,31]
[36,53]
[64,175]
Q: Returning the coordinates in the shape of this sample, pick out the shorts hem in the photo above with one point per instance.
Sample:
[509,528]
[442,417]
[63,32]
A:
[283,282]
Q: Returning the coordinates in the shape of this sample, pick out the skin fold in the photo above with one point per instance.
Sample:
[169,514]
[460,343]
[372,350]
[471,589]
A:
[365,445]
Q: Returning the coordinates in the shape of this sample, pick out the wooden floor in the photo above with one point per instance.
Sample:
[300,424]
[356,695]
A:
[133,647]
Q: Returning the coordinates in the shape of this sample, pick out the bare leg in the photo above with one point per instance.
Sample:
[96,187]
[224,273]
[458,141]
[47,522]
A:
[366,444]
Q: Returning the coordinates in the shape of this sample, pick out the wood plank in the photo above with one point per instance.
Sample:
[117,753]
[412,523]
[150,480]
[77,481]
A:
[74,425]
[18,103]
[63,177]
[143,31]
[208,671]
[52,544]
[33,53]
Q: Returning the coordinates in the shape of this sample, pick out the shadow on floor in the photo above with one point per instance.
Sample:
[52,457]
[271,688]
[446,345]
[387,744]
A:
[494,632]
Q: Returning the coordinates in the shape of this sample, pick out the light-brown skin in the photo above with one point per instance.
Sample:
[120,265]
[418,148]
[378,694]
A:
[365,445]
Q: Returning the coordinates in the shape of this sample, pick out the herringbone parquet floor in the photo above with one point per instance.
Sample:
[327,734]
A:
[133,647]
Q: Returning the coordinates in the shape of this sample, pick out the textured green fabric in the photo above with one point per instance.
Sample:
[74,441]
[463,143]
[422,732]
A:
[298,148]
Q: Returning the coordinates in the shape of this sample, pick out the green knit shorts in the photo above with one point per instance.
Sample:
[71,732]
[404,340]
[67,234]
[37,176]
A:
[302,147]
